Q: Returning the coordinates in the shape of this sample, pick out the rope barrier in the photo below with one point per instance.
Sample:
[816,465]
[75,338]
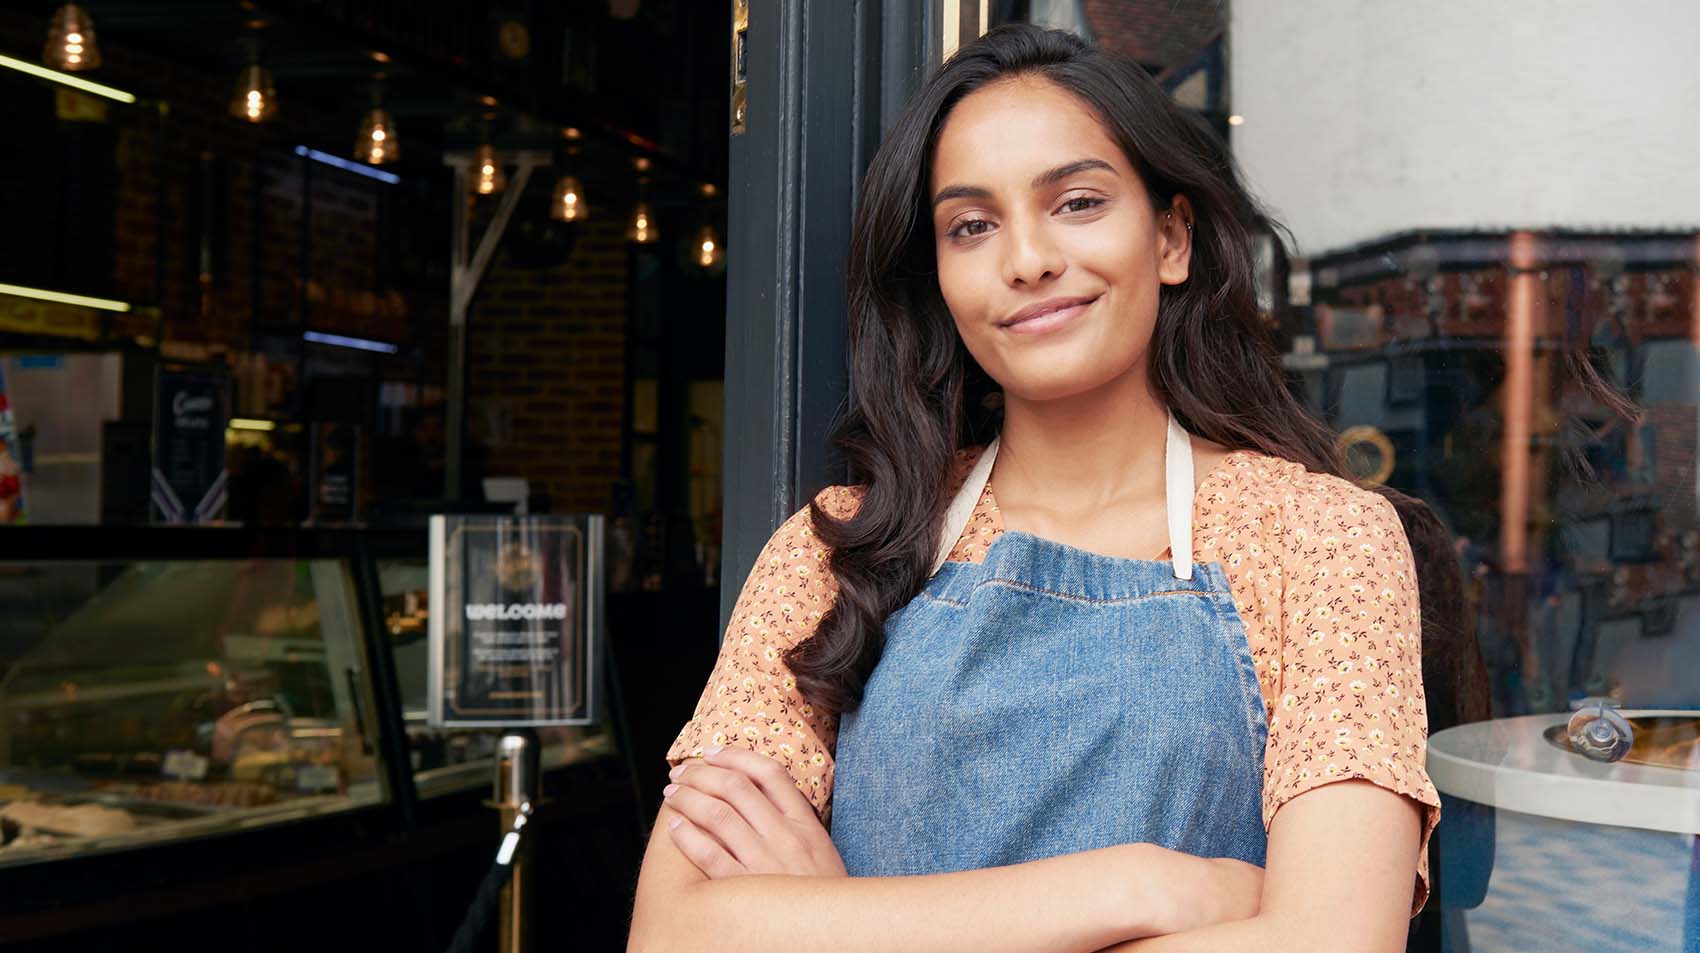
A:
[484,902]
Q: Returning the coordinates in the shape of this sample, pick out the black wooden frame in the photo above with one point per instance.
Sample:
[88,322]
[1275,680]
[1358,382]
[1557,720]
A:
[825,79]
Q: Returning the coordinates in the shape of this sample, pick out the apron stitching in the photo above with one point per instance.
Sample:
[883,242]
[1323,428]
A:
[1086,600]
[1256,718]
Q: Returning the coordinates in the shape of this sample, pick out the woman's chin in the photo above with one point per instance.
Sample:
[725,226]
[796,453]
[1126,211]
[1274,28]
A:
[1054,384]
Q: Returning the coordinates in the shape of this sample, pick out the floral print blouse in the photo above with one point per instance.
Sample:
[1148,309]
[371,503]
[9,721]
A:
[1320,572]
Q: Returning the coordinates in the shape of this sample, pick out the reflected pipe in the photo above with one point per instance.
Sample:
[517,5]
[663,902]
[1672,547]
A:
[1519,349]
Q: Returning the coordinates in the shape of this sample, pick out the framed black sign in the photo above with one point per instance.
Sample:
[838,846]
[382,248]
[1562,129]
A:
[516,615]
[191,411]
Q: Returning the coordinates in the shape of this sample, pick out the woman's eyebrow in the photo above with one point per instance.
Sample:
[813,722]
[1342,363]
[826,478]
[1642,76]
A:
[960,192]
[1053,176]
[1048,177]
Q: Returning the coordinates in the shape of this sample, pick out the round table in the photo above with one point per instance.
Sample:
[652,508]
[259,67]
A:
[1508,763]
[1617,883]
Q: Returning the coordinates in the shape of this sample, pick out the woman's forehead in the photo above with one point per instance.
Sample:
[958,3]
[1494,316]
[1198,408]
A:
[1010,131]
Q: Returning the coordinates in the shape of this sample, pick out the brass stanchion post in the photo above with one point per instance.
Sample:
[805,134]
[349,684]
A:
[516,789]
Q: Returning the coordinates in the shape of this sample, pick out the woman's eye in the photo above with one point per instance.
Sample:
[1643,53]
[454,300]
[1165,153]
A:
[1081,203]
[970,228]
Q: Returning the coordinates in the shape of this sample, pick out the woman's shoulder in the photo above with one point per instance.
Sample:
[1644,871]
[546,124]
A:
[1305,505]
[1262,475]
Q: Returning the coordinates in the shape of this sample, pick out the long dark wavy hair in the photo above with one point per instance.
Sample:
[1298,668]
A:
[918,396]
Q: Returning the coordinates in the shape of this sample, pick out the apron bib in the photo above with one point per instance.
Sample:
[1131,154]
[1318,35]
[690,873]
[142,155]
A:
[1050,701]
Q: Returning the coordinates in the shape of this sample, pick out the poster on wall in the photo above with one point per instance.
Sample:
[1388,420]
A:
[11,463]
[515,617]
[191,411]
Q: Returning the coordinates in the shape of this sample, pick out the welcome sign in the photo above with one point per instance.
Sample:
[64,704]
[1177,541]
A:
[516,613]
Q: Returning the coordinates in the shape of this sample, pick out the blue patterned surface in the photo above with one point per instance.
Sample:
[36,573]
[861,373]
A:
[1559,886]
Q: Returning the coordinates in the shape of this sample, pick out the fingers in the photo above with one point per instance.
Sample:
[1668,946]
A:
[718,819]
[769,776]
[736,789]
[703,851]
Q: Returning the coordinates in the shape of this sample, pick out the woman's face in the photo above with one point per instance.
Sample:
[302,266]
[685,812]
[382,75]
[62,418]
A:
[1049,252]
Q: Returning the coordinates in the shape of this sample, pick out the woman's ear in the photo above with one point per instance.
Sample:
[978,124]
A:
[1174,241]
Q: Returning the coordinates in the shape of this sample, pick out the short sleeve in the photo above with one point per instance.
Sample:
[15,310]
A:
[752,698]
[1351,703]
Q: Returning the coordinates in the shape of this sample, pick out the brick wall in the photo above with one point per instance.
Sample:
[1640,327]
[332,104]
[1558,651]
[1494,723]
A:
[1159,34]
[547,359]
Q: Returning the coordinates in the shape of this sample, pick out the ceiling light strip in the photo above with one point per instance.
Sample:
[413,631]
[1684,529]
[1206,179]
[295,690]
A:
[60,297]
[343,340]
[347,166]
[66,79]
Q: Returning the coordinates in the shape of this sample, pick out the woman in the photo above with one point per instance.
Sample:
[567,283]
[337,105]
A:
[1099,634]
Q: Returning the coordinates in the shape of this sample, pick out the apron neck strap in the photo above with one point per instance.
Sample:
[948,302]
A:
[962,507]
[1177,492]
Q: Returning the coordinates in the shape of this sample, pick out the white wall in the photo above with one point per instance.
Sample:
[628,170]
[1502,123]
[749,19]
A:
[1366,117]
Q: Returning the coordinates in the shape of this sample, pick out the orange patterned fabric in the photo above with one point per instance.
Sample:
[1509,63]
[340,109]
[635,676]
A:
[1320,572]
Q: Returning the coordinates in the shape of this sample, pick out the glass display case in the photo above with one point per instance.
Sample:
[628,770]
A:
[204,728]
[154,699]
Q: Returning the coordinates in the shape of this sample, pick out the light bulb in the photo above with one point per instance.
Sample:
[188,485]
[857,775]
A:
[707,251]
[567,205]
[256,97]
[642,230]
[377,144]
[70,40]
[490,178]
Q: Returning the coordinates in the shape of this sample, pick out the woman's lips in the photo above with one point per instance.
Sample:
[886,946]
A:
[1049,320]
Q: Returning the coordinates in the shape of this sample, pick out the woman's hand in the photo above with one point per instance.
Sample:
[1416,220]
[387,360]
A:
[740,813]
[1181,892]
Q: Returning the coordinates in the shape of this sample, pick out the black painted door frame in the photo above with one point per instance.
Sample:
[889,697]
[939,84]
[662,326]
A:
[824,79]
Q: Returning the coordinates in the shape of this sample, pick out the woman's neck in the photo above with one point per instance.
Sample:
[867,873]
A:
[1081,453]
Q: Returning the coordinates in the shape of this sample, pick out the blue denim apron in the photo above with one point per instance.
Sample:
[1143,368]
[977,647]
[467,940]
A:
[1050,701]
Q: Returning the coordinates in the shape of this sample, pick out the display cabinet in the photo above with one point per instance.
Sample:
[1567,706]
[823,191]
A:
[201,726]
[144,699]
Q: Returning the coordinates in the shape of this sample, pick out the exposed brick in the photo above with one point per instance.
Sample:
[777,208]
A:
[552,346]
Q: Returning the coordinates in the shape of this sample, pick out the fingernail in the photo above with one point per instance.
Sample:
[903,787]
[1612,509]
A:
[668,790]
[711,752]
[677,770]
[673,824]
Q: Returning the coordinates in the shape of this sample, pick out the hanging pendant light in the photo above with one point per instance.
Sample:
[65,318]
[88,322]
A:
[70,40]
[377,142]
[567,205]
[706,250]
[256,97]
[488,178]
[642,230]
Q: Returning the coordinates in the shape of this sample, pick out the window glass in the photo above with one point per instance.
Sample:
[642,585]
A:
[1490,293]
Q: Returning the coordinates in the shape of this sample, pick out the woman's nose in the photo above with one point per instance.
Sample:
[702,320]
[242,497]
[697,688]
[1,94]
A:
[1031,257]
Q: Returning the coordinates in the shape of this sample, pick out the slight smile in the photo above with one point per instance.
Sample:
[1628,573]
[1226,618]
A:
[1047,315]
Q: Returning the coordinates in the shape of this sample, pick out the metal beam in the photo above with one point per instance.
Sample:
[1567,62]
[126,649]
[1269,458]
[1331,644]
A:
[465,275]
